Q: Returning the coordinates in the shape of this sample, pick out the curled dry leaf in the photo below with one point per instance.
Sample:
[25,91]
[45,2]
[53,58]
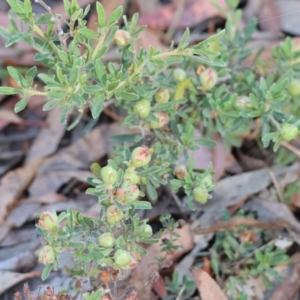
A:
[207,287]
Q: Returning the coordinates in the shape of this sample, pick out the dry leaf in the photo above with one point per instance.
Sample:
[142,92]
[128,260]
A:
[14,184]
[269,16]
[207,287]
[47,198]
[9,279]
[148,265]
[48,138]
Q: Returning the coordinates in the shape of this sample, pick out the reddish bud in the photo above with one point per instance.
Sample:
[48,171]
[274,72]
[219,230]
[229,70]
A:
[200,194]
[114,214]
[208,78]
[180,172]
[106,240]
[46,255]
[289,131]
[109,175]
[140,157]
[142,108]
[48,221]
[132,193]
[162,120]
[133,263]
[162,96]
[122,38]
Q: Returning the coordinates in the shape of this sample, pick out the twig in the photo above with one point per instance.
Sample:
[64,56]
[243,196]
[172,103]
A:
[59,29]
[175,21]
[180,293]
[277,186]
[291,148]
[275,224]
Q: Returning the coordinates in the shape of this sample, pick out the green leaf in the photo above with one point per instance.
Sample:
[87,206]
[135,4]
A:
[21,105]
[141,204]
[97,105]
[151,190]
[46,271]
[270,136]
[115,16]
[5,90]
[16,75]
[126,96]
[101,14]
[88,33]
[184,39]
[30,74]
[16,38]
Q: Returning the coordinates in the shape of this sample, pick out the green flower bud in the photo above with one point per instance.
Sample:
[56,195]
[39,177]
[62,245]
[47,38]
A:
[179,75]
[289,131]
[180,172]
[140,157]
[114,214]
[121,38]
[131,265]
[109,175]
[162,96]
[146,230]
[162,120]
[242,102]
[294,87]
[130,177]
[207,181]
[122,258]
[200,194]
[142,108]
[49,221]
[46,255]
[131,193]
[208,78]
[106,240]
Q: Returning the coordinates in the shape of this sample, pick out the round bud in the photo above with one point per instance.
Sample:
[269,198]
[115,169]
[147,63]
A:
[200,194]
[289,131]
[122,258]
[109,175]
[208,78]
[121,38]
[131,177]
[242,102]
[131,265]
[46,255]
[132,193]
[114,214]
[140,157]
[162,120]
[294,87]
[207,181]
[146,230]
[179,75]
[180,172]
[49,221]
[162,96]
[106,240]
[142,108]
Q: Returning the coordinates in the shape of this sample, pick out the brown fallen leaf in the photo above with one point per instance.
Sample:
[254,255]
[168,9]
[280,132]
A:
[141,276]
[47,198]
[14,184]
[42,147]
[207,287]
[195,12]
[9,279]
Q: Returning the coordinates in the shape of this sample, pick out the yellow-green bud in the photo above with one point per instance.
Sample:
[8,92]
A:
[131,193]
[207,181]
[147,230]
[242,102]
[289,131]
[208,78]
[114,214]
[162,120]
[131,177]
[106,240]
[162,96]
[121,38]
[179,75]
[200,194]
[109,175]
[122,258]
[294,87]
[49,221]
[142,108]
[140,157]
[46,255]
